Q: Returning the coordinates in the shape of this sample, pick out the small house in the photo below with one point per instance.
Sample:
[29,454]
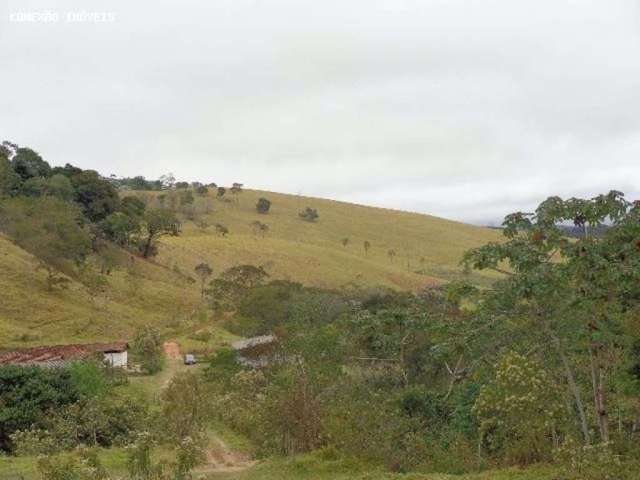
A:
[55,356]
[256,351]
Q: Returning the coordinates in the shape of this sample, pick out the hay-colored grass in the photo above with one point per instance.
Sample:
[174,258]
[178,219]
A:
[160,292]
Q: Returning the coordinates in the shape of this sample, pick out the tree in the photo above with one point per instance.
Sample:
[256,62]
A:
[391,253]
[309,214]
[167,181]
[233,284]
[519,409]
[344,241]
[120,227]
[185,407]
[575,294]
[10,181]
[202,190]
[28,164]
[366,246]
[157,223]
[133,206]
[263,206]
[96,196]
[49,229]
[186,197]
[147,346]
[204,271]
[221,191]
[27,393]
[236,189]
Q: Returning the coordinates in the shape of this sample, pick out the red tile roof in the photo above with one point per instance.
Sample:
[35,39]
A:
[59,353]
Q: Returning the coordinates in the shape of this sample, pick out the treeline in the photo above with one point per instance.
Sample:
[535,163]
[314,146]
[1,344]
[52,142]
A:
[63,214]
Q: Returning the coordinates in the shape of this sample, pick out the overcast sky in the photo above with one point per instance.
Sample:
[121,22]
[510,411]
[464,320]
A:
[463,109]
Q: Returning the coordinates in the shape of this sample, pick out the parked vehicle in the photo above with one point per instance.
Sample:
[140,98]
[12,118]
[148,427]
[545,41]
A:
[189,359]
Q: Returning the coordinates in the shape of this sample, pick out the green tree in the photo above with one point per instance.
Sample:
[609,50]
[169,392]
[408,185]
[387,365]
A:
[10,181]
[263,205]
[157,223]
[28,164]
[147,346]
[133,206]
[576,295]
[57,185]
[27,393]
[97,197]
[185,407]
[120,227]
[48,228]
[233,284]
[519,410]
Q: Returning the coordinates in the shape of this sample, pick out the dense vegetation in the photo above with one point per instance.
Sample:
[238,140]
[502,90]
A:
[540,366]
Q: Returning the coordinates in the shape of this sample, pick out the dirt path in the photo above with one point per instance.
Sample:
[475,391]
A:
[220,458]
[171,350]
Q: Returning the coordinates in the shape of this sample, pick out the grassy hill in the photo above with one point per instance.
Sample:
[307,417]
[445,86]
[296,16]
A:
[312,253]
[161,292]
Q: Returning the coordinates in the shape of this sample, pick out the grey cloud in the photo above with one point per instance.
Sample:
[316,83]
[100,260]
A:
[465,109]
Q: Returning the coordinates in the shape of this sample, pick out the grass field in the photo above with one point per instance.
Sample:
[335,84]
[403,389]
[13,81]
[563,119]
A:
[161,292]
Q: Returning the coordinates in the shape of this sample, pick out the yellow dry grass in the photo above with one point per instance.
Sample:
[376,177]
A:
[159,291]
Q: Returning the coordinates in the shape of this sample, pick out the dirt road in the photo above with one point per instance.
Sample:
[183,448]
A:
[220,458]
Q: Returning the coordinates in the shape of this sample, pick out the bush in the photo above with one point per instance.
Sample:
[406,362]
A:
[84,466]
[309,214]
[45,389]
[263,206]
[592,462]
[518,410]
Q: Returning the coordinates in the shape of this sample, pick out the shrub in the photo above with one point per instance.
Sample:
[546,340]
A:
[518,410]
[263,206]
[147,346]
[309,214]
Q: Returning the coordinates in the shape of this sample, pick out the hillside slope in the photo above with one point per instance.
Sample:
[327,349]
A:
[312,253]
[160,291]
[138,293]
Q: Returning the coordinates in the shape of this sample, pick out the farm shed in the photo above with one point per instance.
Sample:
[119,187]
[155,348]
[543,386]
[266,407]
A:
[114,354]
[256,351]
